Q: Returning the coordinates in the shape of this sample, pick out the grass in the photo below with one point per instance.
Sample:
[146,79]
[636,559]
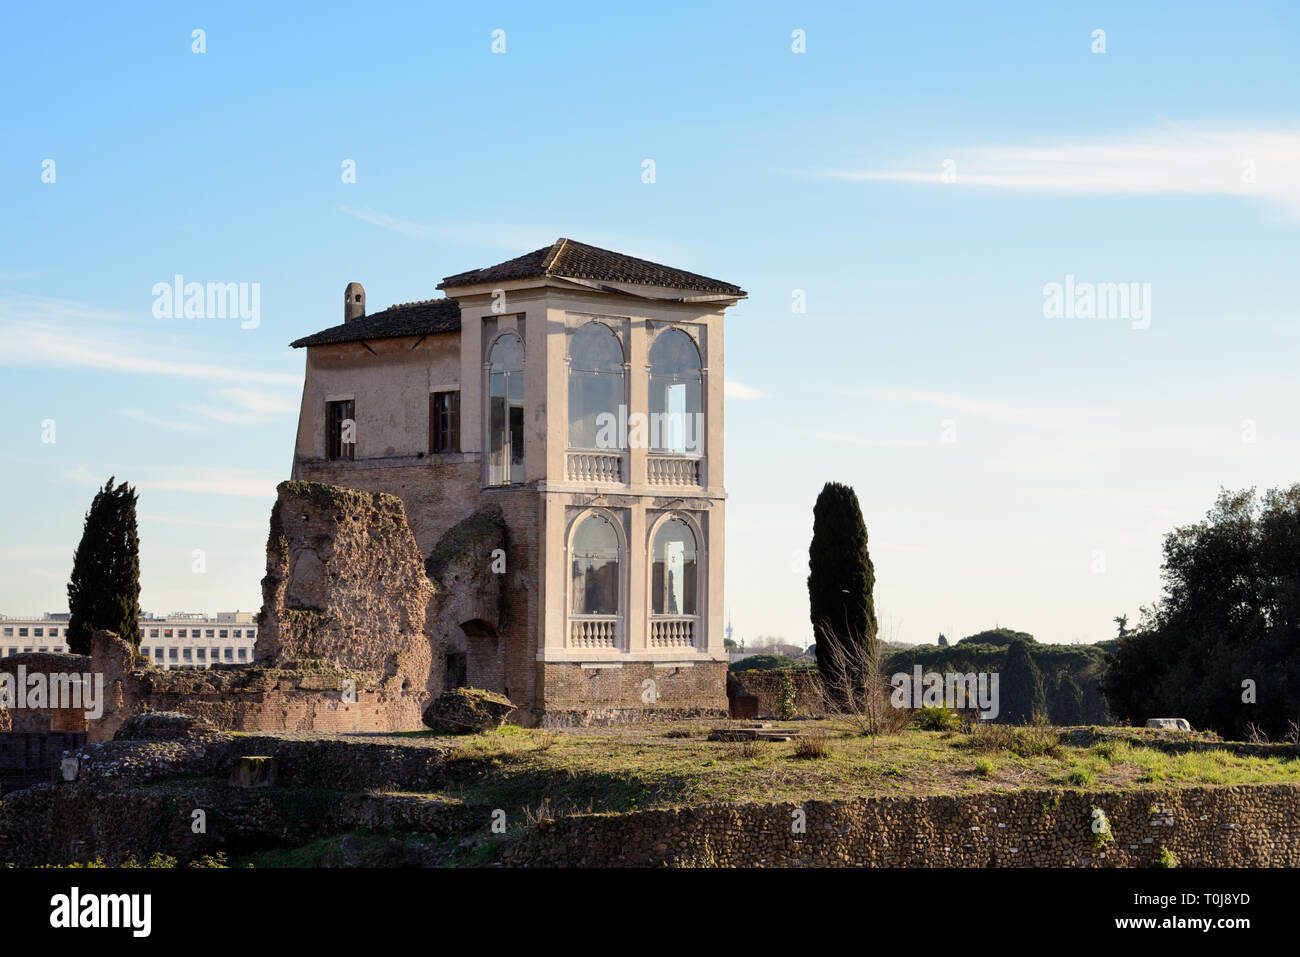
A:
[670,766]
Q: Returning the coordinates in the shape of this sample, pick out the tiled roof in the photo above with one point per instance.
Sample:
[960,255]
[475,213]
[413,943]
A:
[406,319]
[566,258]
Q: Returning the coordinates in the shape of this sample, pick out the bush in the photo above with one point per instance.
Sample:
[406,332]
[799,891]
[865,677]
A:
[811,746]
[767,663]
[1025,740]
[785,709]
[937,719]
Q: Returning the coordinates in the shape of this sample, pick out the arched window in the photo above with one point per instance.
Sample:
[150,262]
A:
[506,411]
[595,388]
[674,574]
[676,395]
[595,567]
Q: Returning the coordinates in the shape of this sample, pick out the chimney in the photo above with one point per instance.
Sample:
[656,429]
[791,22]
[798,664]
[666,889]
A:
[354,302]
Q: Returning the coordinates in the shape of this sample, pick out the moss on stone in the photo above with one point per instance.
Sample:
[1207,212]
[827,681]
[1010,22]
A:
[464,538]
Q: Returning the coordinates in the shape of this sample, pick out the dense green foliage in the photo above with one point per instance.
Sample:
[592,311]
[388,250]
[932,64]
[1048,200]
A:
[841,580]
[769,663]
[104,588]
[997,636]
[1021,687]
[1230,615]
[1084,664]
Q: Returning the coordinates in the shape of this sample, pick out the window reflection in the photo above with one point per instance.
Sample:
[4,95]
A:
[595,567]
[506,411]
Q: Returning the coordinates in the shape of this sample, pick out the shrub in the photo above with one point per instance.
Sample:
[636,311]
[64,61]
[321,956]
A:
[785,708]
[984,767]
[1166,858]
[937,719]
[812,746]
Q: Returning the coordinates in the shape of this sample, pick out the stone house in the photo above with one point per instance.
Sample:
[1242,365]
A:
[574,397]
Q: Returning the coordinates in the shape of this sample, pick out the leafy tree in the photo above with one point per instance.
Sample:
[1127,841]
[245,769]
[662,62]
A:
[1122,622]
[104,589]
[840,584]
[943,640]
[1230,614]
[997,636]
[1021,686]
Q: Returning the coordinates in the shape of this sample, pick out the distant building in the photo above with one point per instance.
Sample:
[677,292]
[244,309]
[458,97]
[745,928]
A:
[178,640]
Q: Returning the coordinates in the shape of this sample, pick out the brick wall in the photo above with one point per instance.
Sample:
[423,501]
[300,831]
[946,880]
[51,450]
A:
[765,686]
[578,695]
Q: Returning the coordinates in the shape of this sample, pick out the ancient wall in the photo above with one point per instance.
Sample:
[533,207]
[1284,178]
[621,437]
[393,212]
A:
[1226,826]
[48,717]
[766,687]
[437,490]
[345,583]
[632,691]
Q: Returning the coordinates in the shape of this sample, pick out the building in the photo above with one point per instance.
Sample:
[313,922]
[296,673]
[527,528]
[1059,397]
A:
[581,392]
[178,640]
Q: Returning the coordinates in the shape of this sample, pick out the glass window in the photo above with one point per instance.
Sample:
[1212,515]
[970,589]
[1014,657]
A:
[228,655]
[596,388]
[595,567]
[153,632]
[243,654]
[54,632]
[208,632]
[506,411]
[675,566]
[223,633]
[38,632]
[444,422]
[22,632]
[676,395]
[201,653]
[186,654]
[9,632]
[340,429]
[171,654]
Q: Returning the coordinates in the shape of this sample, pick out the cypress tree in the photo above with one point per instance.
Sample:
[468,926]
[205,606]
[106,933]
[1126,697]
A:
[1069,701]
[840,584]
[1021,686]
[104,589]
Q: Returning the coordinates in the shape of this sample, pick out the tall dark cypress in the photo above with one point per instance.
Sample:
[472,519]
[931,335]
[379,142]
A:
[840,584]
[104,589]
[1020,686]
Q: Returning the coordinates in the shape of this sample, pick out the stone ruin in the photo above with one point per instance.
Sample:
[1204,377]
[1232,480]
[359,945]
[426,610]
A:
[354,628]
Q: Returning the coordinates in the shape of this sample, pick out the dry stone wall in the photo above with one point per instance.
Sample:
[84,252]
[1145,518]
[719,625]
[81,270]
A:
[1227,826]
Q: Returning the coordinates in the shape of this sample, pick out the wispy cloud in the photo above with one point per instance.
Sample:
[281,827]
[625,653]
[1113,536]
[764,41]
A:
[391,223]
[870,442]
[247,407]
[238,483]
[167,424]
[516,238]
[942,400]
[733,389]
[1259,164]
[28,344]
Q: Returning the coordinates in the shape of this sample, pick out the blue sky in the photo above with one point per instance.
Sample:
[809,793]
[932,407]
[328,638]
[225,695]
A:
[1078,442]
